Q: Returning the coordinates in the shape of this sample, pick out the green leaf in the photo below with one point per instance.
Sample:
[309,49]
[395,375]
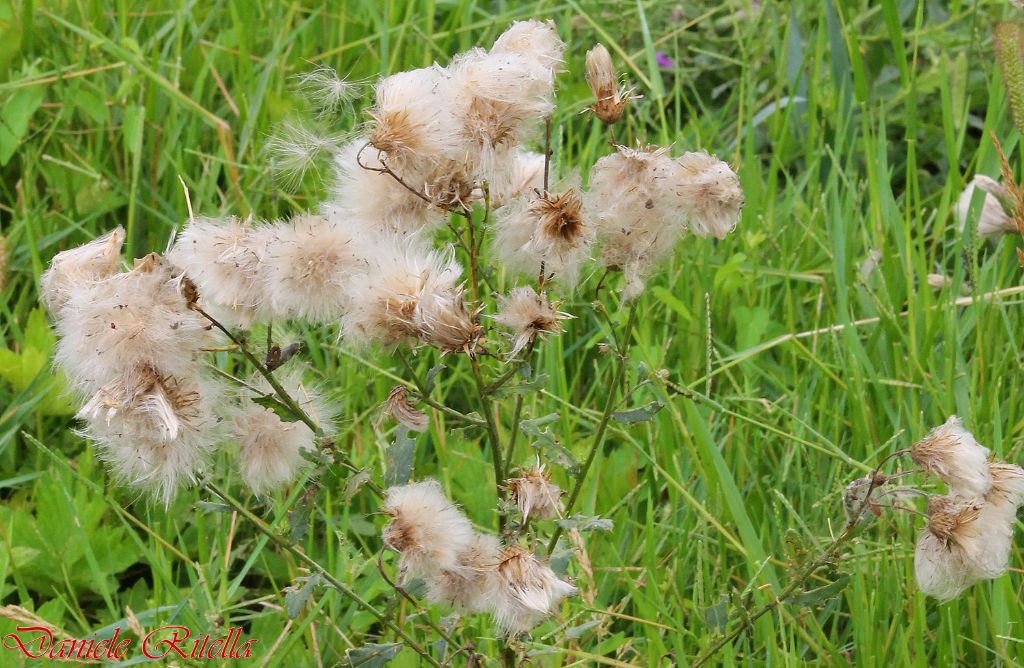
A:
[353,484]
[372,655]
[642,414]
[274,404]
[545,444]
[15,115]
[298,523]
[295,598]
[716,616]
[399,457]
[212,507]
[818,596]
[586,523]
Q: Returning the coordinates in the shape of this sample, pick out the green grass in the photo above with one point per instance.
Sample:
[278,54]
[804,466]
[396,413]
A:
[853,126]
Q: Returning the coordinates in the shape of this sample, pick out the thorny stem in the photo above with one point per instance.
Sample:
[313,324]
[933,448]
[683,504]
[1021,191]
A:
[622,362]
[827,556]
[314,564]
[487,408]
[284,397]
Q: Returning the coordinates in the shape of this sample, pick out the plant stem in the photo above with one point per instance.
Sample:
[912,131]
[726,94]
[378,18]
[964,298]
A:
[622,363]
[492,432]
[286,398]
[421,388]
[312,563]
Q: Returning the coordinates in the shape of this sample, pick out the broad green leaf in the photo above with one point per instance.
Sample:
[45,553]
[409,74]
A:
[818,596]
[586,523]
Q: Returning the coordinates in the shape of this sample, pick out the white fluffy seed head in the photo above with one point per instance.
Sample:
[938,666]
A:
[1007,493]
[636,211]
[385,301]
[535,495]
[308,263]
[528,315]
[70,269]
[965,540]
[428,531]
[500,99]
[384,204]
[296,149]
[525,590]
[132,320]
[549,233]
[520,173]
[952,454]
[535,40]
[465,587]
[412,119]
[224,258]
[269,449]
[993,219]
[155,432]
[710,193]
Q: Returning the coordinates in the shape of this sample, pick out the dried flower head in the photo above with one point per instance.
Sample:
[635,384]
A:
[710,193]
[443,321]
[224,257]
[399,407]
[308,262]
[269,449]
[70,269]
[611,99]
[993,218]
[950,452]
[548,233]
[525,590]
[428,531]
[528,315]
[535,495]
[465,587]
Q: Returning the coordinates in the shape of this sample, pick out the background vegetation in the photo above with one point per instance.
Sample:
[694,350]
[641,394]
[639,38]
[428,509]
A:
[853,126]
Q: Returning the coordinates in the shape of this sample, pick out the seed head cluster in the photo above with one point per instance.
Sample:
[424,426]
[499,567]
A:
[471,571]
[969,530]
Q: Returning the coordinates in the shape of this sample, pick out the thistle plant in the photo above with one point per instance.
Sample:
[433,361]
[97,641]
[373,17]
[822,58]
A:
[451,231]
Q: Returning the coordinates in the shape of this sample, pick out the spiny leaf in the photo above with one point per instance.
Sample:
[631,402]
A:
[354,483]
[642,414]
[298,523]
[716,616]
[372,655]
[296,598]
